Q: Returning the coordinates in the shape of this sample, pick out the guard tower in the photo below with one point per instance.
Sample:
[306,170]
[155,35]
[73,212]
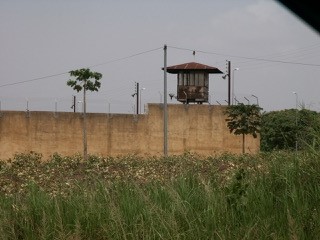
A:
[192,81]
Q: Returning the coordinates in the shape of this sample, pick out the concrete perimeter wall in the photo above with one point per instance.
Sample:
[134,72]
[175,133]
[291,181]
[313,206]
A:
[195,128]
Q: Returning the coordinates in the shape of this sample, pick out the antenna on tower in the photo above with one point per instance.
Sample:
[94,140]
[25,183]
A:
[171,95]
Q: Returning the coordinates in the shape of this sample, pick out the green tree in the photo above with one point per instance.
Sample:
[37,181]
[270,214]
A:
[243,120]
[84,81]
[281,129]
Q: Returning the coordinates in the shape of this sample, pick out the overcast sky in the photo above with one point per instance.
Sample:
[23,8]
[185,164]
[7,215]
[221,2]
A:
[123,40]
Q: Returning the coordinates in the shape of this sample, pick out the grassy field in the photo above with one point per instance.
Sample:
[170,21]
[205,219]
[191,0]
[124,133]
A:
[266,196]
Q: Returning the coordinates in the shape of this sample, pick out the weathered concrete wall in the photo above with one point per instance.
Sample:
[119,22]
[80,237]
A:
[195,128]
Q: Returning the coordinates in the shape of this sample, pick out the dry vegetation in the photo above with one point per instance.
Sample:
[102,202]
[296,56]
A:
[265,196]
[60,174]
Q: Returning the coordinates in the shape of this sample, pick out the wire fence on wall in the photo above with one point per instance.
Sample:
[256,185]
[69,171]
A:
[69,105]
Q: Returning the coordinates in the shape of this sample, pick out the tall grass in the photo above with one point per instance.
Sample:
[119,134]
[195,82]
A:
[267,196]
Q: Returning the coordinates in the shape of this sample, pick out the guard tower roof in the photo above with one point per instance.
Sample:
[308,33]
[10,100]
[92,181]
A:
[192,67]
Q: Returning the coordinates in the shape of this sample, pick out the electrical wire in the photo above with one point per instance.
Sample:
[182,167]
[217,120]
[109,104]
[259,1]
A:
[33,79]
[155,49]
[124,58]
[95,65]
[245,57]
[299,53]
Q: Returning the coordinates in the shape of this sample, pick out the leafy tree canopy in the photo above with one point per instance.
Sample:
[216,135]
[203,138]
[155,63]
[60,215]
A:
[281,129]
[244,119]
[82,80]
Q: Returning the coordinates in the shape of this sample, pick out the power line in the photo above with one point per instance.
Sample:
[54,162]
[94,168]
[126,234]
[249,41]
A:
[287,53]
[33,79]
[252,64]
[124,58]
[155,49]
[95,65]
[245,57]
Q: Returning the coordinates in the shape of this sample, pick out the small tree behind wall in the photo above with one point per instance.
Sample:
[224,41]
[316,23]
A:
[84,80]
[243,120]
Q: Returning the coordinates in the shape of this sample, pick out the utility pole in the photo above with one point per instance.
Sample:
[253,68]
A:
[85,145]
[229,81]
[165,104]
[137,92]
[74,103]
